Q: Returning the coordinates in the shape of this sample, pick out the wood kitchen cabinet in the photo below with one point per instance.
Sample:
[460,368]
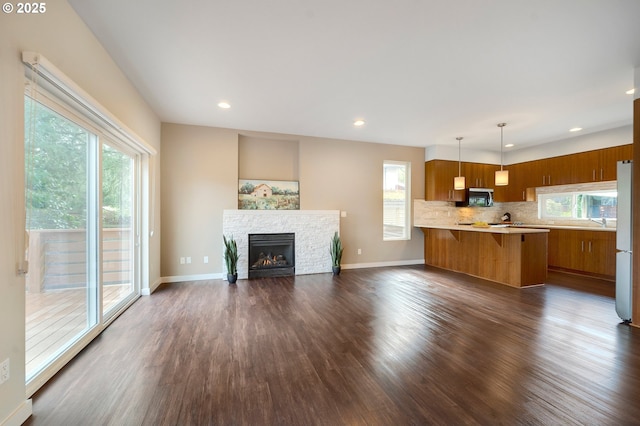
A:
[478,175]
[549,171]
[591,166]
[599,165]
[584,252]
[438,175]
[520,186]
[584,167]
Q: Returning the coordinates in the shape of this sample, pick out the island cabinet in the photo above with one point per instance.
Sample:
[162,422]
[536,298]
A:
[583,252]
[438,175]
[517,258]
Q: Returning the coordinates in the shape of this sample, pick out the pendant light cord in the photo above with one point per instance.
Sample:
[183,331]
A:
[501,125]
[459,155]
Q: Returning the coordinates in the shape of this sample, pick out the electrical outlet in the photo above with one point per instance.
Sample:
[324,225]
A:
[206,259]
[188,260]
[182,261]
[359,251]
[4,371]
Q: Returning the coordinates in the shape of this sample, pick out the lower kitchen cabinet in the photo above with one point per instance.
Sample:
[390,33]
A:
[584,252]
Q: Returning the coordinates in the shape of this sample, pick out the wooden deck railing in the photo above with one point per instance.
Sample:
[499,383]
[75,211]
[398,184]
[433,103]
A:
[57,258]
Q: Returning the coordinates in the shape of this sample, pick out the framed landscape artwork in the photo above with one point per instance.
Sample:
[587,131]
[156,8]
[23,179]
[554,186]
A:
[268,195]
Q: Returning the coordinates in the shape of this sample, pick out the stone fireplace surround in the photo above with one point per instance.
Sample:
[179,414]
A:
[313,232]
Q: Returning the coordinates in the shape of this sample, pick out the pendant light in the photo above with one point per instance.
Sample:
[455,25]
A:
[502,176]
[459,182]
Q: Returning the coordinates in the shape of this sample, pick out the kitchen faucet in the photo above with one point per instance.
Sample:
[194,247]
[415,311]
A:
[602,221]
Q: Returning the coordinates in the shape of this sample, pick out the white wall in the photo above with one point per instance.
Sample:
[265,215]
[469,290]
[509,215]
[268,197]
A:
[63,39]
[444,152]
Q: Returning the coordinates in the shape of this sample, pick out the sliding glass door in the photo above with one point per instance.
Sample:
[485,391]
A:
[119,254]
[82,202]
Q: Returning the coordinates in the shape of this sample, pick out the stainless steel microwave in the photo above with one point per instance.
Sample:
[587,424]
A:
[477,197]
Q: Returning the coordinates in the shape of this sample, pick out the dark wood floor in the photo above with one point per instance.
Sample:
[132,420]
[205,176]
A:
[384,346]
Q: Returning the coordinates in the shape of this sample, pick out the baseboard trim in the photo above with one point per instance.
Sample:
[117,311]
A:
[152,288]
[383,264]
[19,415]
[201,277]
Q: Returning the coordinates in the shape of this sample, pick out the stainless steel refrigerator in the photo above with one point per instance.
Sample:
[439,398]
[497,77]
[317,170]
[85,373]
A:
[624,241]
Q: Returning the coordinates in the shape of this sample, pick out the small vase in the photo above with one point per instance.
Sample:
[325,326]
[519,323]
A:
[232,278]
[335,270]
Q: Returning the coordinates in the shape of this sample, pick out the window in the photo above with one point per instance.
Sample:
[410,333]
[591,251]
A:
[578,205]
[396,203]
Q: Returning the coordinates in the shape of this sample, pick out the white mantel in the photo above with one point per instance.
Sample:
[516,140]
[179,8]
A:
[313,232]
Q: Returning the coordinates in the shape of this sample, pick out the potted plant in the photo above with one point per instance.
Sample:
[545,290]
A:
[336,253]
[231,259]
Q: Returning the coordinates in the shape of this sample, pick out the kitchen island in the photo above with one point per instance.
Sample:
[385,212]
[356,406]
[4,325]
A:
[513,256]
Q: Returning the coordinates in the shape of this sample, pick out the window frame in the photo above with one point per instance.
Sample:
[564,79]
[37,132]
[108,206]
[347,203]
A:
[406,226]
[574,194]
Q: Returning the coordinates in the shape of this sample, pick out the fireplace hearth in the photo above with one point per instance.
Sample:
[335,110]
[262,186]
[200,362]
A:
[271,255]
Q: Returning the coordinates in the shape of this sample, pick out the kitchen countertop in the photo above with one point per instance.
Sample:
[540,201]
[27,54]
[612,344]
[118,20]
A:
[494,229]
[570,227]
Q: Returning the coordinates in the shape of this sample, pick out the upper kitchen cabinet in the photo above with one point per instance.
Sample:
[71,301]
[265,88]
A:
[438,175]
[591,166]
[520,186]
[549,171]
[478,175]
[599,165]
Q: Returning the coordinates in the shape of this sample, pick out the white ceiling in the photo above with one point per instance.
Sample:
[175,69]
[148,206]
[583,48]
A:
[419,72]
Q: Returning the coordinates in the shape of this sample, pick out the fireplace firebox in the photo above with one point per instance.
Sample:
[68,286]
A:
[271,255]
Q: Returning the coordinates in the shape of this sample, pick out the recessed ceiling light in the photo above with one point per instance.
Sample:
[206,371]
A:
[358,123]
[630,91]
[575,129]
[509,145]
[224,105]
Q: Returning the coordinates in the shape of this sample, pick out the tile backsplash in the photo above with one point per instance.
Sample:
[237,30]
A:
[446,213]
